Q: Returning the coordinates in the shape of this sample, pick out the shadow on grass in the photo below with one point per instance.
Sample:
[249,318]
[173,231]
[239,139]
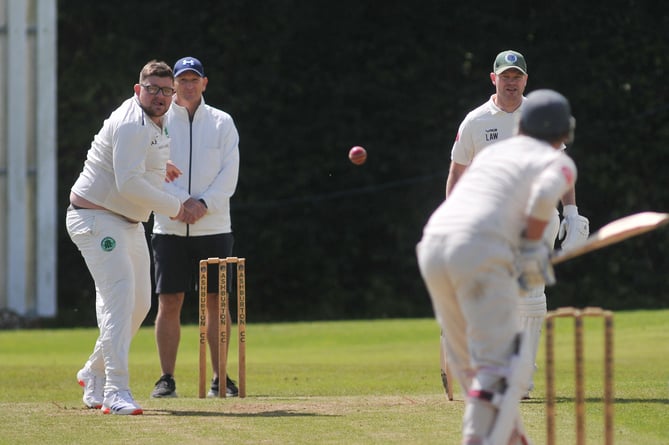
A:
[620,401]
[275,413]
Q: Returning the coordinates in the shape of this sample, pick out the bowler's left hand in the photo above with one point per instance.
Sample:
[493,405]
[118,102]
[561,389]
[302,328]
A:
[172,172]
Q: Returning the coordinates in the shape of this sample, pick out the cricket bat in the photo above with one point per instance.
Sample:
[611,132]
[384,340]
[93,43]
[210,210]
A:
[614,232]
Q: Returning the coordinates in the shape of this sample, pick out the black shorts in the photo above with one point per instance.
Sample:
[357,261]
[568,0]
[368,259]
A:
[177,260]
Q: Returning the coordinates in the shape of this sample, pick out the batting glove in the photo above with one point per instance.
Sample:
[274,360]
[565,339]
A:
[574,228]
[533,265]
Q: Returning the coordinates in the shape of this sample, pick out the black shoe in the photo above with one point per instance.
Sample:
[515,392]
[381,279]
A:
[230,388]
[165,387]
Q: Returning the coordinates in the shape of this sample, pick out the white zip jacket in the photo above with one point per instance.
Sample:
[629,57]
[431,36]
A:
[206,151]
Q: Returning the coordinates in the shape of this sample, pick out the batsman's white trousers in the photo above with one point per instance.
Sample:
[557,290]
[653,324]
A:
[117,255]
[474,293]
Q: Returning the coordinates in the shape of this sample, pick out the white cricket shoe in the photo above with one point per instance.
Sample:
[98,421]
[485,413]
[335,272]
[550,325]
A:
[120,402]
[94,386]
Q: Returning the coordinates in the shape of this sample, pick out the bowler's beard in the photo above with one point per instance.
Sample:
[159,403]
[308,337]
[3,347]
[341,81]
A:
[156,104]
[151,113]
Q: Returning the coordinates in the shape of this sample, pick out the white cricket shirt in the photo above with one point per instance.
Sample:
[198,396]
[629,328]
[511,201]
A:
[506,182]
[125,167]
[481,127]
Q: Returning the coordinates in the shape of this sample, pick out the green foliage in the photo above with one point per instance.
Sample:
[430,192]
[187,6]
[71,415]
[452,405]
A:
[305,81]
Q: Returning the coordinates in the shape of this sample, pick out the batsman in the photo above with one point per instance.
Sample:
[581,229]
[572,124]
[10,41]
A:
[482,248]
[492,122]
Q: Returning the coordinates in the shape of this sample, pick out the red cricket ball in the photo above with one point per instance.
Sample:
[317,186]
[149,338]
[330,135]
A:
[357,155]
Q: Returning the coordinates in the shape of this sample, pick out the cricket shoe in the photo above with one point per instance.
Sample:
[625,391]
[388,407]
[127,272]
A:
[231,389]
[120,402]
[94,387]
[165,387]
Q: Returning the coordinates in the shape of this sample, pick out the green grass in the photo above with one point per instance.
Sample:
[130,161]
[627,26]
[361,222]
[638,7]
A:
[359,382]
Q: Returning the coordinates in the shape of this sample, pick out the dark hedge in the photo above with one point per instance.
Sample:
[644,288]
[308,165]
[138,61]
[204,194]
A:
[307,80]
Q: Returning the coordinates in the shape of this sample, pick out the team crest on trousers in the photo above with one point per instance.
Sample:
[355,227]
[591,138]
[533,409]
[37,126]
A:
[108,243]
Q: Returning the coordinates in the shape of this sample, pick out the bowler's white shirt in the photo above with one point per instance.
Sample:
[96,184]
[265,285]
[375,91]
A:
[125,167]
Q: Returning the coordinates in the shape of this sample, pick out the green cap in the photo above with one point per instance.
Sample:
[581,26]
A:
[509,59]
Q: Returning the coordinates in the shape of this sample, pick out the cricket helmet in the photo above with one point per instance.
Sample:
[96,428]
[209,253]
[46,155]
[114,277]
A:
[546,115]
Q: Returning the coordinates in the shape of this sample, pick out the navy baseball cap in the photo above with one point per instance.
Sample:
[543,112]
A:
[509,59]
[188,64]
[546,115]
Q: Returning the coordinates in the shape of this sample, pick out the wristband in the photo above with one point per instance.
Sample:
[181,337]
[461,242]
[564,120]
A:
[570,210]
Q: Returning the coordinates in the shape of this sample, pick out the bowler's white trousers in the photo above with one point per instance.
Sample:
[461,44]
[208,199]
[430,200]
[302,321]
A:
[116,253]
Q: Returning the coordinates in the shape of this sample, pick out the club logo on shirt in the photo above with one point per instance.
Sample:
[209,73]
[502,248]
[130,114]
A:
[491,134]
[108,243]
[160,144]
